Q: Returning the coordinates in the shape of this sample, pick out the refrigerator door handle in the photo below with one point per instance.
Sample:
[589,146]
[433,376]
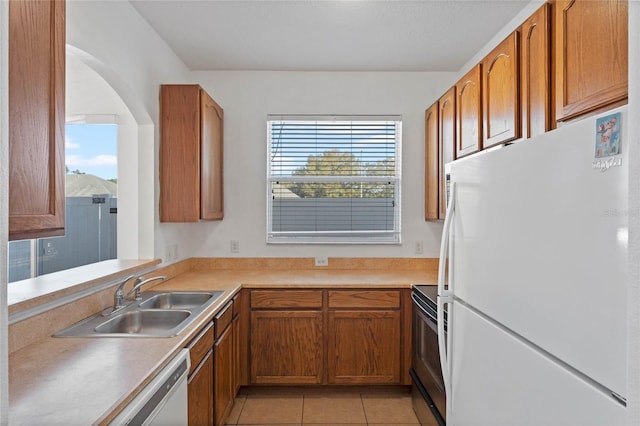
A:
[443,347]
[445,295]
[444,288]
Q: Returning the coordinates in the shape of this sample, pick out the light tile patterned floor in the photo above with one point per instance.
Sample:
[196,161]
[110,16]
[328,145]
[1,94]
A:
[318,409]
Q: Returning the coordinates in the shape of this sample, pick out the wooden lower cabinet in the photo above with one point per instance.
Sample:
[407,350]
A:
[200,381]
[286,347]
[364,347]
[200,393]
[352,337]
[224,392]
[214,376]
[237,354]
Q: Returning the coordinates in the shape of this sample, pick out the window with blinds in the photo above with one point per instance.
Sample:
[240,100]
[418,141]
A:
[333,179]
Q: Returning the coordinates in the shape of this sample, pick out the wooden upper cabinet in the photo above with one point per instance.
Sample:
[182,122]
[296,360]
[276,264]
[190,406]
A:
[591,56]
[500,89]
[211,160]
[191,155]
[535,76]
[36,118]
[431,163]
[469,113]
[447,131]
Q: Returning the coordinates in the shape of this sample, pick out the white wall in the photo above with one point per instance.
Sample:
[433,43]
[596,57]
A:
[118,44]
[247,98]
[524,14]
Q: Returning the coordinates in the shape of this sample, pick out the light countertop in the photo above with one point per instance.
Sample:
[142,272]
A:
[89,380]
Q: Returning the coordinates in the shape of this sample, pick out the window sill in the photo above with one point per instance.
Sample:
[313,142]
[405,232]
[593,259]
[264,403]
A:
[35,295]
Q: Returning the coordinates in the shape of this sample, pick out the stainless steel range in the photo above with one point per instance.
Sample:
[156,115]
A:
[428,392]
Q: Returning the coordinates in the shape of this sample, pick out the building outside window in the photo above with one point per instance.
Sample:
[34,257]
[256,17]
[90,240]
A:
[333,179]
[90,208]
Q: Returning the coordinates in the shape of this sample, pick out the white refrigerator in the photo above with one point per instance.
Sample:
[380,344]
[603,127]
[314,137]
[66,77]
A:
[532,274]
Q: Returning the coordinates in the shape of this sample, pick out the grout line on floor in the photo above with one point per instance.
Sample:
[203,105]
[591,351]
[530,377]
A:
[366,419]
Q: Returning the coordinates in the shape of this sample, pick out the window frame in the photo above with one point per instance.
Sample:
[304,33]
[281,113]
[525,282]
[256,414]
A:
[393,237]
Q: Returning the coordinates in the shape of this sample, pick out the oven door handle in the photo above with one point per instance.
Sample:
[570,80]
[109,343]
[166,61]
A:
[417,304]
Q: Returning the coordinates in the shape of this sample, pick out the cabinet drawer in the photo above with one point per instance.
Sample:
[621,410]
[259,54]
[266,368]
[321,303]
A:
[286,299]
[199,346]
[237,303]
[339,299]
[223,319]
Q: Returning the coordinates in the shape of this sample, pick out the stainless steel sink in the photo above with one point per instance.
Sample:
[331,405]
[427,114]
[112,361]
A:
[143,322]
[174,300]
[158,314]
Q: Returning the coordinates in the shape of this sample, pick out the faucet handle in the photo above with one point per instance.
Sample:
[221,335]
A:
[140,281]
[118,296]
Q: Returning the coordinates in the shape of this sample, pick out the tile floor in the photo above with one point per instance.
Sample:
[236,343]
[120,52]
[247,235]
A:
[322,409]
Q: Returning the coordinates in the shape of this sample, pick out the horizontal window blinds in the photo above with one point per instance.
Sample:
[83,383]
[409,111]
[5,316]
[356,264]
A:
[333,179]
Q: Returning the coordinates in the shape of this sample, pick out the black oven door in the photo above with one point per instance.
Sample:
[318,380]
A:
[426,358]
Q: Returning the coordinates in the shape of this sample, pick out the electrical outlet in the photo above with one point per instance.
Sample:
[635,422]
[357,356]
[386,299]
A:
[419,247]
[234,246]
[322,261]
[167,253]
[174,252]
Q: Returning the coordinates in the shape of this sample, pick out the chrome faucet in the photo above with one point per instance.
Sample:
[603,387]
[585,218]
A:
[118,296]
[140,281]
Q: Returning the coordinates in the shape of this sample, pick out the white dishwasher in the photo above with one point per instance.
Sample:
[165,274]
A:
[164,400]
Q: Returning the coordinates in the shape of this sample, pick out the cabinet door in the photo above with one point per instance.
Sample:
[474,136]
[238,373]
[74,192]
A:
[286,347]
[191,133]
[179,153]
[431,163]
[223,376]
[237,358]
[364,347]
[501,106]
[200,393]
[535,82]
[591,56]
[447,126]
[469,113]
[36,118]
[211,132]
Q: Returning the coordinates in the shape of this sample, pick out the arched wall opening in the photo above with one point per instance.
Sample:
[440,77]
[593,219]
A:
[98,95]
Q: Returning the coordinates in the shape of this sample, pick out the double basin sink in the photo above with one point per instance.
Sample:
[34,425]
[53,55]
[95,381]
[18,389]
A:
[158,314]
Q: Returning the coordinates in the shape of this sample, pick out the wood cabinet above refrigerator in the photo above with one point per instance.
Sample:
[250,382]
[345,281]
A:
[501,93]
[535,74]
[469,113]
[591,56]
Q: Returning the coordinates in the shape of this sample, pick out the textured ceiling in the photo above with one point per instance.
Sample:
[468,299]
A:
[327,35]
